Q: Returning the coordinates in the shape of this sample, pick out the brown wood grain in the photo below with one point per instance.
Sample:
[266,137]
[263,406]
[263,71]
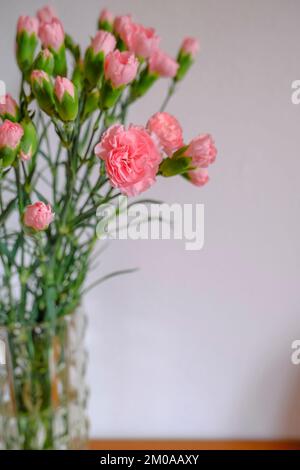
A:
[192,445]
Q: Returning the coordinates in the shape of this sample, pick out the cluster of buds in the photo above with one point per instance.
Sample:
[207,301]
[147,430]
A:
[56,98]
[192,160]
[18,136]
[121,53]
[47,28]
[124,52]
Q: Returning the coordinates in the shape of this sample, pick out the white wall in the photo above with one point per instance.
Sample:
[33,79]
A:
[198,344]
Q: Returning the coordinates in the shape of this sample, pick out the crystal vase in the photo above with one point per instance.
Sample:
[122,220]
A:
[42,385]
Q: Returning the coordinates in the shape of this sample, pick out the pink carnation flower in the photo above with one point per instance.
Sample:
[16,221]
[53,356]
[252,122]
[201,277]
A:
[63,85]
[46,14]
[103,42]
[131,158]
[198,177]
[8,106]
[120,68]
[140,40]
[52,34]
[11,134]
[190,46]
[202,150]
[162,64]
[38,216]
[168,131]
[29,24]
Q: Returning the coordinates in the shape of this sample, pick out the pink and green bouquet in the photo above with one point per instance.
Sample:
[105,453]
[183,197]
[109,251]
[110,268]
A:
[65,150]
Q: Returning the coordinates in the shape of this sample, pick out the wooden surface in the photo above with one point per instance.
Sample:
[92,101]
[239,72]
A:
[192,445]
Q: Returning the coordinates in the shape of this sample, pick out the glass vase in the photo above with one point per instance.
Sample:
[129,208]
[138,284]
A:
[42,385]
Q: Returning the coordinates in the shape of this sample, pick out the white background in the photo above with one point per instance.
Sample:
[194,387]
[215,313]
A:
[199,344]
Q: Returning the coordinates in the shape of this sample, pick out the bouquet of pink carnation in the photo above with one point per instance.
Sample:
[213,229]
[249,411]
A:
[50,191]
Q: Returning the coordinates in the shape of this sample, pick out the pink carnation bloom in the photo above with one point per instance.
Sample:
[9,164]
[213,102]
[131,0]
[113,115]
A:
[120,68]
[202,150]
[29,24]
[103,42]
[168,131]
[38,216]
[131,158]
[8,106]
[106,16]
[52,34]
[63,85]
[11,134]
[140,40]
[162,64]
[46,14]
[198,177]
[190,46]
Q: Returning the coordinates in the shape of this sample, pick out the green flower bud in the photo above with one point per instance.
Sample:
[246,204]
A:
[178,164]
[186,56]
[77,77]
[26,41]
[9,108]
[106,21]
[92,103]
[11,134]
[109,95]
[44,61]
[145,81]
[66,99]
[93,67]
[42,89]
[29,142]
[60,61]
[102,44]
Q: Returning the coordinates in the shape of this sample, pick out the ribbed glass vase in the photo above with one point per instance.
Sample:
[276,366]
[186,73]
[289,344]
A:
[42,385]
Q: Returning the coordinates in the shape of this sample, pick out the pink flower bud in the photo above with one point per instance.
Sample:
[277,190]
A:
[120,23]
[103,42]
[139,40]
[11,134]
[198,177]
[25,156]
[168,131]
[39,76]
[9,108]
[106,16]
[52,34]
[63,85]
[190,46]
[46,14]
[29,24]
[120,68]
[202,150]
[131,158]
[162,64]
[38,216]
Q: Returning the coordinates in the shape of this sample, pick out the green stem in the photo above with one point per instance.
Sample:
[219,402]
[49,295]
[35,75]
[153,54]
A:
[170,93]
